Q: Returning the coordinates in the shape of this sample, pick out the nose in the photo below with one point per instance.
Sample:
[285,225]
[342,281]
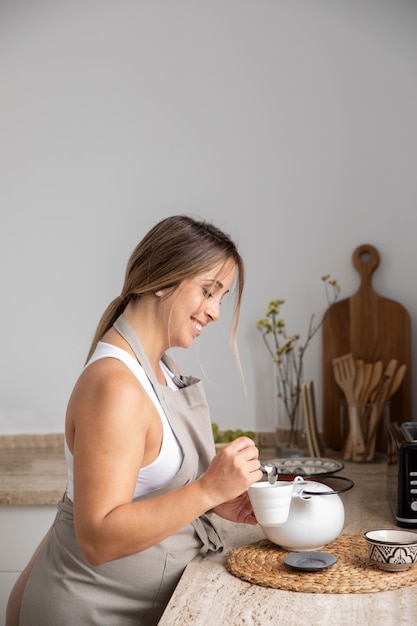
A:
[212,309]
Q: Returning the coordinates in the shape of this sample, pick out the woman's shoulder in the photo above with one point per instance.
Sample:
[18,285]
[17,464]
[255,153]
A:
[108,372]
[107,387]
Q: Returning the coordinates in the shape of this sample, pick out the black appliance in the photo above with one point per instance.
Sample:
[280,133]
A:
[402,473]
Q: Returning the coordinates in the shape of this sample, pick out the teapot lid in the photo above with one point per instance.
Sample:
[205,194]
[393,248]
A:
[324,492]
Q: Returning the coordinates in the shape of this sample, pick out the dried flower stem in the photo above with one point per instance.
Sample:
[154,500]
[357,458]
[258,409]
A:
[287,354]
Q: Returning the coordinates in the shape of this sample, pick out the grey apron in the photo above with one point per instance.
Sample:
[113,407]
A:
[64,589]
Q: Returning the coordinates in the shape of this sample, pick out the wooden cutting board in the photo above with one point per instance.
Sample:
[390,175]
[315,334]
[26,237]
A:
[372,328]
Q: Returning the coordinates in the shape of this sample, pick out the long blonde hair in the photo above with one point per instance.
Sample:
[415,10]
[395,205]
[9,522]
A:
[176,248]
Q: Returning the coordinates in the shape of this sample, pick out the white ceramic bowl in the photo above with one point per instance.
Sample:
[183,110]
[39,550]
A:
[392,550]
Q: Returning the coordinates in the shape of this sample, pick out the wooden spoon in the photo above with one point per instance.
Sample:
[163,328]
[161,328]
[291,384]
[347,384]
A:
[397,380]
[392,379]
[359,379]
[377,371]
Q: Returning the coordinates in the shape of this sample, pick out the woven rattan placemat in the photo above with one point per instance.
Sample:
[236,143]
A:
[261,563]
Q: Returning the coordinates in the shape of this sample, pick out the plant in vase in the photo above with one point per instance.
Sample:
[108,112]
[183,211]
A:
[287,353]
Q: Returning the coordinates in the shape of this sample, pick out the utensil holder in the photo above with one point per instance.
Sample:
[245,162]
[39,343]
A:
[372,420]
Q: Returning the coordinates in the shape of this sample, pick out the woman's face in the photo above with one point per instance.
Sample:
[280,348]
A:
[196,302]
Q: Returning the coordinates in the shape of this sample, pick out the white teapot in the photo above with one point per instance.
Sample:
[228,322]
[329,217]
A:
[316,515]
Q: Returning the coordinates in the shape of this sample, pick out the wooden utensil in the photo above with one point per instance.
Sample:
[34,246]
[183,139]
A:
[377,401]
[367,378]
[376,377]
[394,376]
[377,371]
[362,377]
[311,398]
[344,374]
[397,380]
[359,379]
[307,421]
[309,405]
[372,328]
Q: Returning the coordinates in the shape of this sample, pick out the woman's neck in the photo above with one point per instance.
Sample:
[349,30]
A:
[144,323]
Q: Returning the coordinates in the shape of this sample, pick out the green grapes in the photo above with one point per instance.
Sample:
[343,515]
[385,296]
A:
[229,435]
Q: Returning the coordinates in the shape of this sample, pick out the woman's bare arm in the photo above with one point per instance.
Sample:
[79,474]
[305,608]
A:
[113,429]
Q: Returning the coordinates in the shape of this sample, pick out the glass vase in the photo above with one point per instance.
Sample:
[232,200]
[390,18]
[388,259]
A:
[290,438]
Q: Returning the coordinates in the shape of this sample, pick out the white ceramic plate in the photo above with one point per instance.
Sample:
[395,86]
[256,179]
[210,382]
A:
[310,561]
[306,466]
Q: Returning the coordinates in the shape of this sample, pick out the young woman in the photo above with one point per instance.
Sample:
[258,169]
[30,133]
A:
[143,480]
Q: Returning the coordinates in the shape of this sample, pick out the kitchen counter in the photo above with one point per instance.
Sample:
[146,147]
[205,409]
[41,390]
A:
[33,472]
[207,594]
[33,469]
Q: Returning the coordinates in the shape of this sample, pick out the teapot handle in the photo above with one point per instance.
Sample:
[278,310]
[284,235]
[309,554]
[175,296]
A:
[350,484]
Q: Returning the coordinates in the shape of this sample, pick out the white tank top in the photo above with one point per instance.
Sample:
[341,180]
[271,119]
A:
[169,460]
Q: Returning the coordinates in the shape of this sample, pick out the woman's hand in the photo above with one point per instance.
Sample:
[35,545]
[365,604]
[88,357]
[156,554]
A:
[237,510]
[231,472]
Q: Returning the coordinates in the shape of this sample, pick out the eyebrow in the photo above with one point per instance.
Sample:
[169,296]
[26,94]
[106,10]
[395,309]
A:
[218,284]
[214,281]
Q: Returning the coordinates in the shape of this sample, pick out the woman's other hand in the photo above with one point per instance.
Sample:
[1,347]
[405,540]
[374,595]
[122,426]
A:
[237,510]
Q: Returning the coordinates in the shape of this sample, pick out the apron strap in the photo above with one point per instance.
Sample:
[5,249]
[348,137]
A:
[126,331]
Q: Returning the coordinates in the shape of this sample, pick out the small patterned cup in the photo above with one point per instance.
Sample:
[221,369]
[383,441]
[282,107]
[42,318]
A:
[392,550]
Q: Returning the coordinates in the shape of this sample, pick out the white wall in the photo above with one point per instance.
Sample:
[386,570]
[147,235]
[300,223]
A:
[292,125]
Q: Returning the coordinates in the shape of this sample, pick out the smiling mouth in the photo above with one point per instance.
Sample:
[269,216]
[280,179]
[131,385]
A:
[198,327]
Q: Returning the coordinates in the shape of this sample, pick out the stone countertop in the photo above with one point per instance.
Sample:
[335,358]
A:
[207,594]
[33,472]
[33,469]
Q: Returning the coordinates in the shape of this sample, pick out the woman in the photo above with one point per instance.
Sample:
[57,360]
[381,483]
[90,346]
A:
[143,480]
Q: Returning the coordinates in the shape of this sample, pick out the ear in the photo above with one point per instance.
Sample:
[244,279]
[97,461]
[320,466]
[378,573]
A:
[159,293]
